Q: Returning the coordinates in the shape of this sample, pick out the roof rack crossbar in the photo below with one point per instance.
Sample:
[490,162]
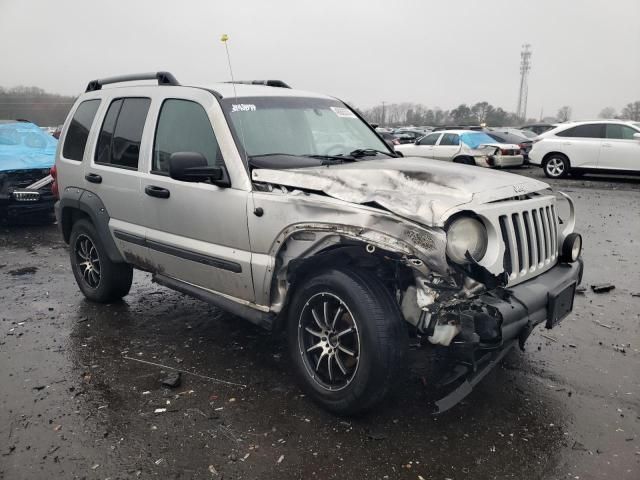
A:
[164,78]
[268,83]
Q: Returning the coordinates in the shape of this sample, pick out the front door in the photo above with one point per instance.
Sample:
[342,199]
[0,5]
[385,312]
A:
[196,231]
[620,150]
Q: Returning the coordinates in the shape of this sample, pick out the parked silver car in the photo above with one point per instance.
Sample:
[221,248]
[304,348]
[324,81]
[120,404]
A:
[232,194]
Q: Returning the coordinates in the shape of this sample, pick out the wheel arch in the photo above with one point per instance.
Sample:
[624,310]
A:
[75,204]
[555,152]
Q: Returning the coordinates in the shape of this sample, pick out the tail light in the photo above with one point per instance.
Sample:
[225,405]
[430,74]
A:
[54,185]
[396,141]
[504,151]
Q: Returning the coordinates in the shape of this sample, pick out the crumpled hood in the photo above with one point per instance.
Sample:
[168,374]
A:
[426,191]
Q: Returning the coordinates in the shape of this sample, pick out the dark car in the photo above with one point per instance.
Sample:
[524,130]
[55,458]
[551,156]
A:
[513,137]
[26,157]
[538,128]
[407,136]
[389,138]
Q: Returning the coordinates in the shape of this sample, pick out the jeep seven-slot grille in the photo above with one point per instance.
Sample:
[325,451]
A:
[531,240]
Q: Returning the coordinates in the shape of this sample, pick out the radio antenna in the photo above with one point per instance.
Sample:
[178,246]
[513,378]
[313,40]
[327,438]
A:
[224,39]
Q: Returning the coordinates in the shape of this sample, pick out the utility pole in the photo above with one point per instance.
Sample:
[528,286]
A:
[525,66]
[383,112]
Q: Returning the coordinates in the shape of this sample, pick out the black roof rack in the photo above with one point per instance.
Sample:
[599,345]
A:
[267,83]
[164,78]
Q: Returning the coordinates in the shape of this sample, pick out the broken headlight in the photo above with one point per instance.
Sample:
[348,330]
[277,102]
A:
[466,234]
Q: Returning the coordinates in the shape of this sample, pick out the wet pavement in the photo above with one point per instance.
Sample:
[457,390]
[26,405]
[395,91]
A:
[81,393]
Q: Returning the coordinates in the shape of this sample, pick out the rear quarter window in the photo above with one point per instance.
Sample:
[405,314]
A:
[76,139]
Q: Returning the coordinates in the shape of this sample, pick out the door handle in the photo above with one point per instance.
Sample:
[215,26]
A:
[606,144]
[158,192]
[93,178]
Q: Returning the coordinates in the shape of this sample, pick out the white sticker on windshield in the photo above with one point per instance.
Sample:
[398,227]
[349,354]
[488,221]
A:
[243,107]
[343,112]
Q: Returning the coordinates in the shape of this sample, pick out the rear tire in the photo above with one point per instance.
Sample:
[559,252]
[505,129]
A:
[556,165]
[346,339]
[99,279]
[464,160]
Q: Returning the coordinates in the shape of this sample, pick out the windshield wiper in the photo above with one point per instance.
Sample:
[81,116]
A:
[331,159]
[368,152]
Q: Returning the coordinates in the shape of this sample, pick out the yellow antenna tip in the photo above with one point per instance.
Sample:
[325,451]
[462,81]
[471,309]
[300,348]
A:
[224,37]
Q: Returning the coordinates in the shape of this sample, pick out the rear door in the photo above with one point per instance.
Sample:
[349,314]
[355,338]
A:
[619,149]
[196,231]
[447,147]
[114,174]
[582,144]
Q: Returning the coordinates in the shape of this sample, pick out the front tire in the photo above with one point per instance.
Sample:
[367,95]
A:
[556,166]
[99,279]
[346,340]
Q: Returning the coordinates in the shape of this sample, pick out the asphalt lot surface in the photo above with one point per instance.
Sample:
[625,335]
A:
[77,402]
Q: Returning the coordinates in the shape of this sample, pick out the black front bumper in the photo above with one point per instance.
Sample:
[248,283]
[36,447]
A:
[517,311]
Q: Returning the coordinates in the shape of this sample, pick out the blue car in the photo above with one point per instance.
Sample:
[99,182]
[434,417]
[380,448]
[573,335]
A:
[26,157]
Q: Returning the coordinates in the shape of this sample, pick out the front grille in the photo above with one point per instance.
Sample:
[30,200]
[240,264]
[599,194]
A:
[531,240]
[22,178]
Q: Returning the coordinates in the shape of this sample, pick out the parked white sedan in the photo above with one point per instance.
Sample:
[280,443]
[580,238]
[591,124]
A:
[607,145]
[464,146]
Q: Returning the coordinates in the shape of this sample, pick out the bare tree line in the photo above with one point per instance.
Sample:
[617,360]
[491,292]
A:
[48,109]
[397,114]
[35,105]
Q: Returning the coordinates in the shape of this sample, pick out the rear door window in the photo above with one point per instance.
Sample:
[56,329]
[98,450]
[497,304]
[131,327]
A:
[616,131]
[449,139]
[78,132]
[590,130]
[121,133]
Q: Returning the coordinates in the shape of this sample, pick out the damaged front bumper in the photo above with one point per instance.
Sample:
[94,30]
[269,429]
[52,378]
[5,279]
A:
[507,318]
[25,202]
[22,197]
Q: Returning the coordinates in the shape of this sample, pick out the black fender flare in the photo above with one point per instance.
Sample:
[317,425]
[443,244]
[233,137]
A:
[76,200]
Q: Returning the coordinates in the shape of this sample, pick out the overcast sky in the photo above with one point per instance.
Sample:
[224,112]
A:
[586,53]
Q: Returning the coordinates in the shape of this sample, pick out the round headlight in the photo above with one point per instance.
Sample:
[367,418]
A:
[571,248]
[466,235]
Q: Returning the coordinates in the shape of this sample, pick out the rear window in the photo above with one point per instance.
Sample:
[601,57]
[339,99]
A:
[590,130]
[78,132]
[121,133]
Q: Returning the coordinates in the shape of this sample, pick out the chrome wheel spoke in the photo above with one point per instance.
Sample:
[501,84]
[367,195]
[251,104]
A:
[325,311]
[322,355]
[316,319]
[345,332]
[315,347]
[346,350]
[336,316]
[341,366]
[313,332]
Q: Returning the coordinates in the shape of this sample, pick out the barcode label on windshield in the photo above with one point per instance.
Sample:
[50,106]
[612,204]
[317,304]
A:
[343,112]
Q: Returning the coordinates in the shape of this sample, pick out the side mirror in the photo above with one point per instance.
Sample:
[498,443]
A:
[193,167]
[636,136]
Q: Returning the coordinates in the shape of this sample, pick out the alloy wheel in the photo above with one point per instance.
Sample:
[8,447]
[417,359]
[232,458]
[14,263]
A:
[555,166]
[329,341]
[87,261]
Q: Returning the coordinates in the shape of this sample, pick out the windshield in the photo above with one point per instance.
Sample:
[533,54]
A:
[298,126]
[475,139]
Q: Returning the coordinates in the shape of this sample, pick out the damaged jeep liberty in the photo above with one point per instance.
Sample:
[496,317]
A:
[287,209]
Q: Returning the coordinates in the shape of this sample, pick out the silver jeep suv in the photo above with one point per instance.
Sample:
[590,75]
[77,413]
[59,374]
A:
[286,208]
